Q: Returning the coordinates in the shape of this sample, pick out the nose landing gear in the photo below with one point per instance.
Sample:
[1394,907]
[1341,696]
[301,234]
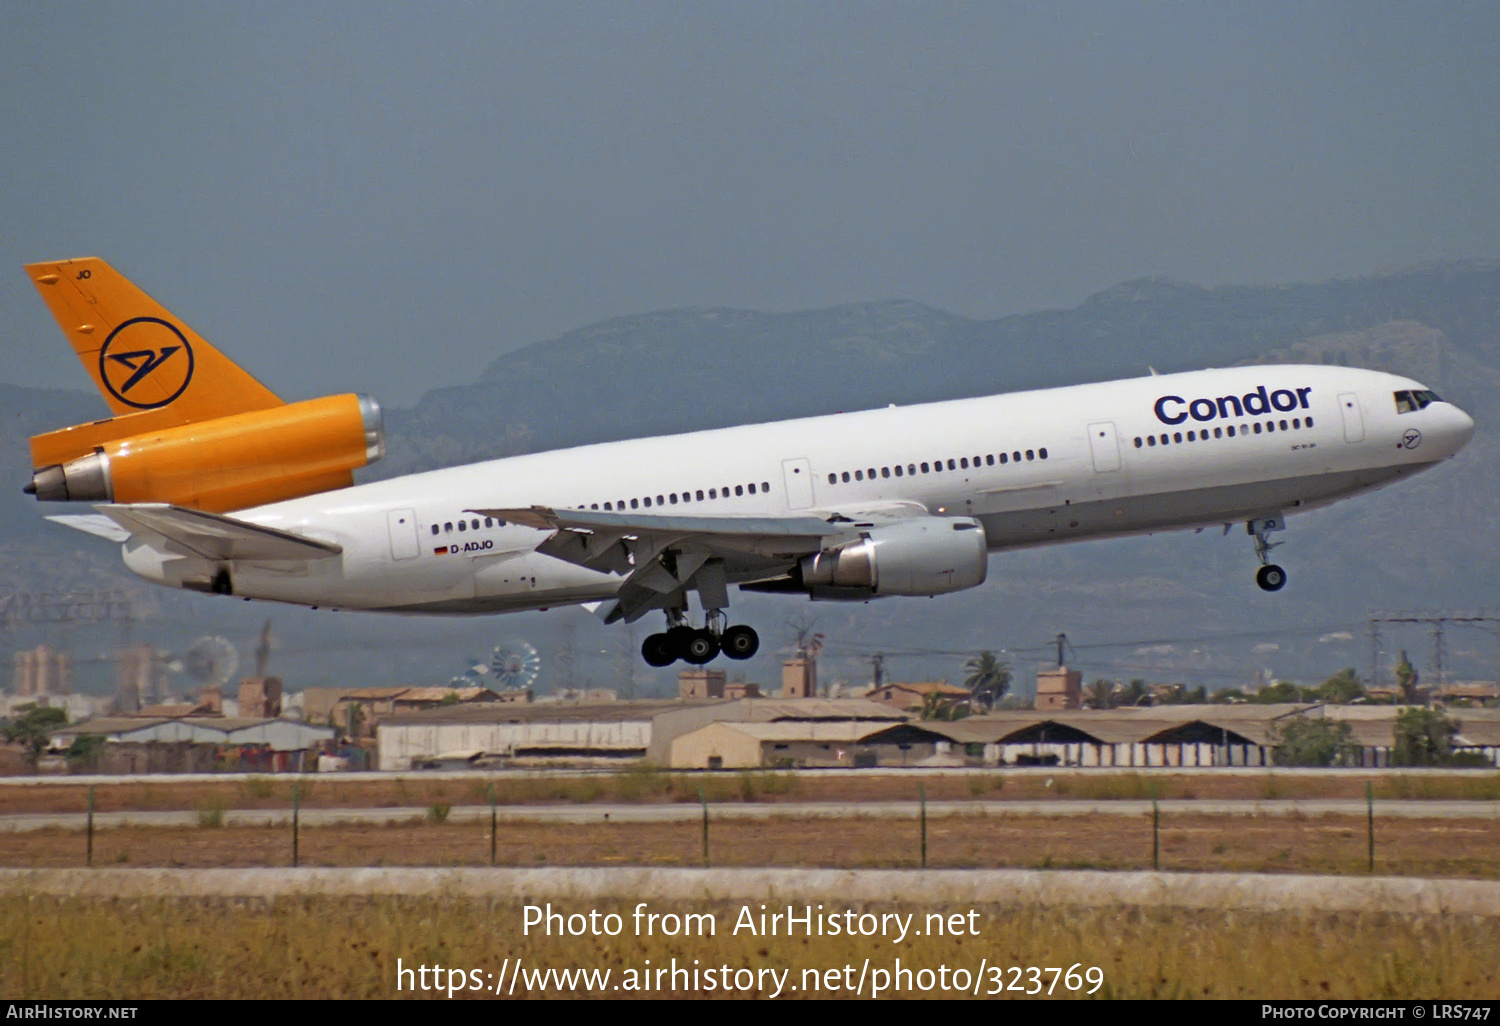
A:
[1270,577]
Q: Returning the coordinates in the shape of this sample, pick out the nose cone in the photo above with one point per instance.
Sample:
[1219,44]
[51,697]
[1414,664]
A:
[1457,428]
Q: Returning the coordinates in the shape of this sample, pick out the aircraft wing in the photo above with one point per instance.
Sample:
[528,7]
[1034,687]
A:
[660,556]
[212,535]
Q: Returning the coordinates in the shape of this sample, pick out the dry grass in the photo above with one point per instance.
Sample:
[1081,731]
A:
[650,785]
[347,948]
[1202,843]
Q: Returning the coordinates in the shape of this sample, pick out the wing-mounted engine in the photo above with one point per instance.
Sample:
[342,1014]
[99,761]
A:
[920,556]
[218,464]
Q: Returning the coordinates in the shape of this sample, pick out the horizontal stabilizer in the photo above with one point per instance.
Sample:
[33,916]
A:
[214,536]
[93,523]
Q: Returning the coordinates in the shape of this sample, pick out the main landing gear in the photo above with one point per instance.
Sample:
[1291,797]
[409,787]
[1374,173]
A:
[699,645]
[1270,577]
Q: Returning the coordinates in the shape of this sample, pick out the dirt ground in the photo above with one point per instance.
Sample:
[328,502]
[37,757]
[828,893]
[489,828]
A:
[1291,844]
[645,785]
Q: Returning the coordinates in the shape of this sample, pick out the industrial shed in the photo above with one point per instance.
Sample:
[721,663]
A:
[598,734]
[1186,735]
[803,744]
[200,744]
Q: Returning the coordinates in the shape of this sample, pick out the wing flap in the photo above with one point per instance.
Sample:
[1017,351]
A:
[215,536]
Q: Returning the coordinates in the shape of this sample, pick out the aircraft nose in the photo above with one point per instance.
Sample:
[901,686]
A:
[1458,428]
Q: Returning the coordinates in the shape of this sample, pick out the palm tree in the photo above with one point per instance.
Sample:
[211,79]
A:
[988,679]
[1100,694]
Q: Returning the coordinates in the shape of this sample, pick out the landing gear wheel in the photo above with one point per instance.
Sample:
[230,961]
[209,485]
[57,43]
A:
[700,648]
[1271,578]
[657,650]
[739,642]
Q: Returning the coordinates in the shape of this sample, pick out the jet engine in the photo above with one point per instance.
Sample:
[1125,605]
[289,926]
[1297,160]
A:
[921,556]
[220,464]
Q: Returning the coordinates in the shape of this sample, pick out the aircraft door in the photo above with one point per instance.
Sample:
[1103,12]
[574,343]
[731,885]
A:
[1354,424]
[799,483]
[1105,446]
[402,524]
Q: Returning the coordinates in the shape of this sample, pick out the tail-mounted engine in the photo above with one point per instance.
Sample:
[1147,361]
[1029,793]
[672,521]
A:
[226,463]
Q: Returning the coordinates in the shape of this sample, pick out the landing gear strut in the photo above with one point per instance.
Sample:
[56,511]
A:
[1270,577]
[699,645]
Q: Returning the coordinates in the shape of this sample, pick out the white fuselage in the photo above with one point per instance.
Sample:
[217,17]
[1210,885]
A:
[1039,467]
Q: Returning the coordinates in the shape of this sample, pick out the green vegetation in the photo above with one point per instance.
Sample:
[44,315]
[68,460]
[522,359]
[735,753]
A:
[1424,737]
[1302,741]
[211,813]
[987,677]
[32,729]
[438,812]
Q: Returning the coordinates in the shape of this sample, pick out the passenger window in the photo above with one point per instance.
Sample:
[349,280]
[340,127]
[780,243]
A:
[752,488]
[489,522]
[713,493]
[1151,440]
[1257,427]
[845,476]
[832,479]
[885,471]
[1283,425]
[1004,459]
[1308,421]
[1015,457]
[463,525]
[765,486]
[434,528]
[1218,432]
[448,528]
[606,505]
[700,495]
[952,465]
[659,501]
[1177,437]
[476,523]
[989,459]
[898,470]
[672,498]
[1137,441]
[648,502]
[1190,437]
[964,463]
[911,469]
[1030,455]
[859,475]
[1230,430]
[1042,453]
[739,489]
[924,468]
[635,503]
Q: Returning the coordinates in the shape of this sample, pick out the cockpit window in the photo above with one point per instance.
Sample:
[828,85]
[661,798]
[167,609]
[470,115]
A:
[1417,399]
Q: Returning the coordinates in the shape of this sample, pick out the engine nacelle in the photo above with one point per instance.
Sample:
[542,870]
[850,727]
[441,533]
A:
[922,556]
[228,463]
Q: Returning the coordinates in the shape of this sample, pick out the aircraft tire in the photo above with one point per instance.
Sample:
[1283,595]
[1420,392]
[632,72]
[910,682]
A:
[657,650]
[1270,578]
[700,648]
[739,642]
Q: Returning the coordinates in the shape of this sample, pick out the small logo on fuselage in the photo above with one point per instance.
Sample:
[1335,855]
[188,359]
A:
[146,363]
[1174,409]
[1411,439]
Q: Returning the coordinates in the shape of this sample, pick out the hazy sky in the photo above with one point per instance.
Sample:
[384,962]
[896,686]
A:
[384,197]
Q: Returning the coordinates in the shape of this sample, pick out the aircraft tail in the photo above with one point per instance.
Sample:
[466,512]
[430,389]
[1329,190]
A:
[141,357]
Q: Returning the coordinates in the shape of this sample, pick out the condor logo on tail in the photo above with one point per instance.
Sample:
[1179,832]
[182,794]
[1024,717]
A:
[141,365]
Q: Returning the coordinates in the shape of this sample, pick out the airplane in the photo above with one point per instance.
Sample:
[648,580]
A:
[212,483]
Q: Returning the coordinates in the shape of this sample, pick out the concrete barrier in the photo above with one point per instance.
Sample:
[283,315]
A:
[1002,887]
